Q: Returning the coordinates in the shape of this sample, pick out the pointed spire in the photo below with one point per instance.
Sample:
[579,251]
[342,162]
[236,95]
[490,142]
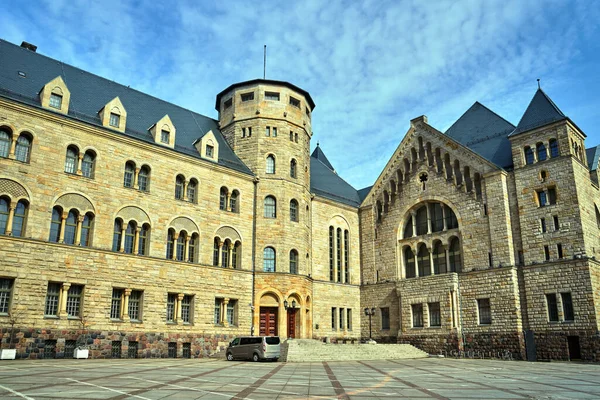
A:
[319,155]
[541,111]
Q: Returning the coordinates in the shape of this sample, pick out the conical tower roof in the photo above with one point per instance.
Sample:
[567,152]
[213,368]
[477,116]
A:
[541,111]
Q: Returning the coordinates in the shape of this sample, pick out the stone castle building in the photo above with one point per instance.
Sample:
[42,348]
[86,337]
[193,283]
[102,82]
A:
[142,229]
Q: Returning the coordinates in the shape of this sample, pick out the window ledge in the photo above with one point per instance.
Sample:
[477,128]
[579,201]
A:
[571,321]
[418,328]
[490,324]
[71,318]
[51,317]
[435,327]
[116,320]
[136,321]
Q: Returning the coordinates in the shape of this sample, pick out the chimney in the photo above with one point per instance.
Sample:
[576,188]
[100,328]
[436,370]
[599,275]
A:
[29,46]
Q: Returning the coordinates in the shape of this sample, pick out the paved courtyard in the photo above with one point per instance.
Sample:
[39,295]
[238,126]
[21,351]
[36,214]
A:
[210,379]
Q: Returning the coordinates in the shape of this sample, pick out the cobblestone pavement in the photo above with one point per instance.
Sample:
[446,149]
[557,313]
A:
[383,379]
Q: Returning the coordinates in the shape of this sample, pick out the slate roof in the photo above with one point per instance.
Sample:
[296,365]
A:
[364,192]
[592,154]
[326,183]
[486,133]
[541,111]
[89,93]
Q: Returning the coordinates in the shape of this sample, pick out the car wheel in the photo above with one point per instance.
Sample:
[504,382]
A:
[229,357]
[255,357]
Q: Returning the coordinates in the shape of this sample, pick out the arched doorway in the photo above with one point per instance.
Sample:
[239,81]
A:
[293,316]
[268,315]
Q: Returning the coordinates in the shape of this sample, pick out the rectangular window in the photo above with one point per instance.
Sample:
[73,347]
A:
[228,103]
[6,286]
[556,224]
[542,198]
[559,250]
[55,100]
[567,305]
[52,297]
[294,102]
[186,309]
[291,136]
[231,308]
[307,111]
[552,196]
[209,151]
[70,348]
[552,307]
[187,350]
[333,318]
[164,136]
[74,301]
[485,311]
[268,131]
[172,350]
[249,131]
[218,304]
[171,300]
[115,305]
[243,132]
[349,319]
[132,350]
[50,349]
[115,349]
[546,253]
[274,132]
[135,305]
[247,96]
[435,316]
[385,318]
[543,224]
[272,96]
[417,315]
[114,120]
[341,315]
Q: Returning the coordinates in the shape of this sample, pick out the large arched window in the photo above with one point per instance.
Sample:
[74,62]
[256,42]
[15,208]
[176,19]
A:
[129,237]
[293,262]
[409,263]
[192,191]
[223,198]
[5,140]
[454,255]
[293,168]
[179,183]
[180,251]
[270,168]
[236,255]
[4,204]
[331,253]
[117,233]
[23,148]
[439,259]
[55,224]
[225,253]
[193,248]
[269,261]
[529,159]
[233,201]
[423,261]
[143,240]
[440,216]
[71,160]
[270,207]
[293,210]
[540,148]
[18,221]
[144,179]
[554,148]
[71,227]
[128,176]
[86,229]
[170,244]
[422,221]
[87,164]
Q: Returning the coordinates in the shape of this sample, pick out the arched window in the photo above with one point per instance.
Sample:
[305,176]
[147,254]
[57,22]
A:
[192,189]
[71,227]
[180,256]
[269,262]
[117,232]
[294,210]
[216,243]
[235,255]
[192,248]
[554,148]
[128,177]
[143,240]
[408,228]
[293,169]
[540,148]
[23,148]
[55,224]
[409,263]
[437,217]
[423,261]
[270,207]
[451,221]
[338,252]
[170,244]
[422,220]
[86,229]
[18,227]
[223,199]
[144,179]
[4,205]
[5,139]
[528,155]
[346,256]
[270,164]
[129,237]
[179,183]
[71,160]
[233,201]
[454,256]
[439,259]
[293,262]
[225,253]
[87,164]
[331,254]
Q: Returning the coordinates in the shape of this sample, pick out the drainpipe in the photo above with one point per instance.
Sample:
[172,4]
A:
[252,328]
[460,317]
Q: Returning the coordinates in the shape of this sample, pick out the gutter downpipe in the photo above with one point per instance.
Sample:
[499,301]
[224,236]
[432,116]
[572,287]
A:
[252,328]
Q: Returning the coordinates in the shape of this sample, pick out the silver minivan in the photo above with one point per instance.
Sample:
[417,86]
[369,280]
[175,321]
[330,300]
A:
[254,347]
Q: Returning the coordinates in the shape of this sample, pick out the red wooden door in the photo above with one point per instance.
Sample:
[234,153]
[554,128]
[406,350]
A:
[291,323]
[268,321]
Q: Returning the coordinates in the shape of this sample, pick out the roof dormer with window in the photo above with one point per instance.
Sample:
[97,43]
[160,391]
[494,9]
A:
[208,147]
[113,115]
[56,96]
[163,132]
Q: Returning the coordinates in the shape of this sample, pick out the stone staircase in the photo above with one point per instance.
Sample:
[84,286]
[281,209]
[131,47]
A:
[308,350]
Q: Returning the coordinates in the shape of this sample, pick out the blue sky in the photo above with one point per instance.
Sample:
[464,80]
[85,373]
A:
[370,66]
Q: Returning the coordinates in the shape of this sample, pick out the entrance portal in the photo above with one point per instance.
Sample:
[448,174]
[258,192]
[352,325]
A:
[268,321]
[574,348]
[291,322]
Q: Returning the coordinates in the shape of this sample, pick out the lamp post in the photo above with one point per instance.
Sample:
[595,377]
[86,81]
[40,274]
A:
[370,312]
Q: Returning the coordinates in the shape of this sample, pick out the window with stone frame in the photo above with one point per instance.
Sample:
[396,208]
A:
[247,96]
[529,157]
[192,190]
[334,318]
[217,311]
[385,318]
[74,301]
[567,306]
[228,103]
[349,319]
[435,315]
[554,152]
[409,263]
[270,207]
[187,307]
[331,254]
[171,301]
[223,198]
[165,136]
[552,306]
[341,313]
[293,169]
[23,147]
[52,299]
[273,96]
[135,305]
[144,179]
[269,260]
[294,210]
[234,201]
[417,315]
[88,164]
[232,312]
[210,151]
[540,149]
[71,160]
[294,102]
[485,311]
[6,287]
[116,304]
[270,164]
[114,120]
[129,174]
[5,142]
[55,100]
[293,262]
[179,185]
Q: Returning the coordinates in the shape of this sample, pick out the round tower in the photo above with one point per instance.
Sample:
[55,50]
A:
[268,125]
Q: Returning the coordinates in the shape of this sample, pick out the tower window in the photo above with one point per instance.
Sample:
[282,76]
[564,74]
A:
[228,103]
[247,96]
[294,102]
[272,96]
[115,119]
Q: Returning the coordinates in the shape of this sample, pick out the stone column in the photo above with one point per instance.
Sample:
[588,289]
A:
[186,248]
[175,237]
[9,221]
[416,260]
[230,256]
[431,263]
[78,229]
[13,146]
[126,294]
[446,247]
[445,228]
[220,263]
[63,299]
[228,200]
[63,221]
[184,194]
[413,216]
[224,312]
[136,240]
[135,177]
[428,205]
[122,250]
[178,307]
[79,162]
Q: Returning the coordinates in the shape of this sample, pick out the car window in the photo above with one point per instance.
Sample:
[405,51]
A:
[235,342]
[244,341]
[272,340]
[256,340]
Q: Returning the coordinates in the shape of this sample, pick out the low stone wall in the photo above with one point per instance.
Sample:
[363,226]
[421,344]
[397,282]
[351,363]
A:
[431,344]
[496,343]
[30,343]
[554,345]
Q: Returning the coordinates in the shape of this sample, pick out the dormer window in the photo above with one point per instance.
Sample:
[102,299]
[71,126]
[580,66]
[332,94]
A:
[228,103]
[247,96]
[164,136]
[55,100]
[209,151]
[272,96]
[115,119]
[294,102]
